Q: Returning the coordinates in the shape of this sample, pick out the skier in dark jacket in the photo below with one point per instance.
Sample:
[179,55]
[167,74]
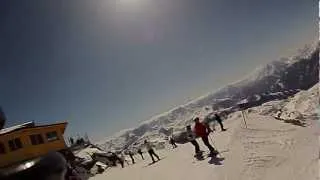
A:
[173,143]
[151,151]
[131,156]
[191,137]
[219,120]
[214,116]
[141,153]
[203,131]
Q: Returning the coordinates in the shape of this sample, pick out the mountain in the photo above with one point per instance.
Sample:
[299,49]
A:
[286,75]
[269,148]
[277,80]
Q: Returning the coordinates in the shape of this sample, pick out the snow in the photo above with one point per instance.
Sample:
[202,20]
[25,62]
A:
[258,97]
[304,103]
[243,101]
[259,152]
[271,149]
[267,83]
[267,149]
[16,127]
[87,153]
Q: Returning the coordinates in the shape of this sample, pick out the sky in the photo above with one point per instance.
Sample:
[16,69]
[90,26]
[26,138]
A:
[106,65]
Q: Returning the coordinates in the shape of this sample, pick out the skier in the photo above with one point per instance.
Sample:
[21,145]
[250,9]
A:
[209,118]
[141,154]
[173,143]
[114,158]
[202,130]
[123,158]
[131,156]
[219,120]
[121,161]
[151,151]
[191,137]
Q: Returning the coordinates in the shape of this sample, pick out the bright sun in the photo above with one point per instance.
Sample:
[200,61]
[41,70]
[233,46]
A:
[129,1]
[131,4]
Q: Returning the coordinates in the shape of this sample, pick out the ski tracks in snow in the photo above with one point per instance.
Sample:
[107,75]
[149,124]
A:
[267,149]
[271,149]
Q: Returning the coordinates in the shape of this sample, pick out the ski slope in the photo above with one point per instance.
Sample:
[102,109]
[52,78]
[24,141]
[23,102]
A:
[277,80]
[268,149]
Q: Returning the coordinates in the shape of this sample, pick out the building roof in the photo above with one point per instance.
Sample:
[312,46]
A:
[16,127]
[25,126]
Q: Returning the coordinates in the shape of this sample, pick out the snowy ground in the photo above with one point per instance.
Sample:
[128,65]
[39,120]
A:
[268,149]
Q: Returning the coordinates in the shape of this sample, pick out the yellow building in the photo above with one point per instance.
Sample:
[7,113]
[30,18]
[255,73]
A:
[26,141]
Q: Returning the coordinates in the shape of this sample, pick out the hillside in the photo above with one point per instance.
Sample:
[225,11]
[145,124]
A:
[269,148]
[276,81]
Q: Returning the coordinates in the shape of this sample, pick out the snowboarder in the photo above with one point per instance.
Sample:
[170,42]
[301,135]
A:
[131,156]
[173,143]
[151,151]
[219,120]
[202,130]
[191,137]
[141,153]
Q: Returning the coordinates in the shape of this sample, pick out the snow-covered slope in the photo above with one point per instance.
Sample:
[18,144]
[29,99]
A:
[276,81]
[267,149]
[271,149]
[304,103]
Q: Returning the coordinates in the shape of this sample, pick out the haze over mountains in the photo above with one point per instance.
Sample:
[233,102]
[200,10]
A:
[276,81]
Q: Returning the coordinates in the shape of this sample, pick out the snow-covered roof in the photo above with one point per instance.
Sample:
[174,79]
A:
[24,126]
[16,127]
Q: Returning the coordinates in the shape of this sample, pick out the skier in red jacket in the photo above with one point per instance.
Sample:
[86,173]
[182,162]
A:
[203,131]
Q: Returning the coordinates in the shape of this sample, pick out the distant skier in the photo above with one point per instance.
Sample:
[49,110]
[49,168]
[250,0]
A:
[123,158]
[114,158]
[173,143]
[191,137]
[219,120]
[151,151]
[71,141]
[141,153]
[131,156]
[214,116]
[202,130]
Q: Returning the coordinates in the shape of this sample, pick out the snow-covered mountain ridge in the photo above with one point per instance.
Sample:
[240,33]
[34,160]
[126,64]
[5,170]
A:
[276,81]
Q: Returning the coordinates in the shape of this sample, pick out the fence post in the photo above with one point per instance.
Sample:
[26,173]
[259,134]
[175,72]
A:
[244,117]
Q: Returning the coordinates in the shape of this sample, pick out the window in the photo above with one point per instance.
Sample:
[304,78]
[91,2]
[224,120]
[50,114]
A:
[15,144]
[52,136]
[2,148]
[36,139]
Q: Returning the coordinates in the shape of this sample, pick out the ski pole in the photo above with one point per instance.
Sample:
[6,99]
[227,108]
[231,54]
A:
[213,143]
[244,118]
